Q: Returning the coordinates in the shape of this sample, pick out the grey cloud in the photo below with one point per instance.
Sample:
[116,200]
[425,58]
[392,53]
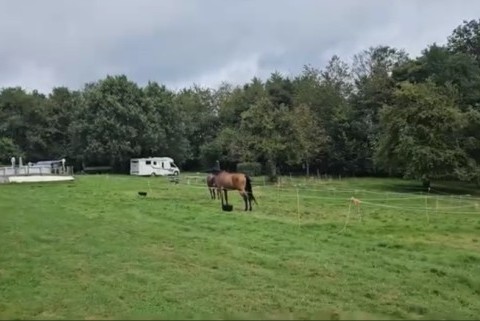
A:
[55,42]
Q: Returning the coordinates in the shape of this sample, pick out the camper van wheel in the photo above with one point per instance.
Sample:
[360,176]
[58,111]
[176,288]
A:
[153,174]
[175,173]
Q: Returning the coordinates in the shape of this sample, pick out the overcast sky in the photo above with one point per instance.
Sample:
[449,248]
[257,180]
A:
[51,43]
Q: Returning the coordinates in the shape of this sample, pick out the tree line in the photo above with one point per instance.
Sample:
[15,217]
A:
[383,114]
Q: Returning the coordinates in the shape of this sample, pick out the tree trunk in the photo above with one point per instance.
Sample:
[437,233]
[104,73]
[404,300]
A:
[426,182]
[272,171]
[307,168]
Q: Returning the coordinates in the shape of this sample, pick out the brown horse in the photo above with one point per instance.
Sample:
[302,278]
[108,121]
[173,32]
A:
[211,185]
[235,181]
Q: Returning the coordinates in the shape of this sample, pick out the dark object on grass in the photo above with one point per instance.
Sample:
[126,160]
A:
[142,193]
[227,207]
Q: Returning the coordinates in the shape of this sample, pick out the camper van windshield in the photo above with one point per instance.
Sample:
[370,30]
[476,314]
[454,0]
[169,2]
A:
[172,164]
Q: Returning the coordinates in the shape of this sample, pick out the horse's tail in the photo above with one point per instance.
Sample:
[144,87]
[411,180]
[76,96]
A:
[249,190]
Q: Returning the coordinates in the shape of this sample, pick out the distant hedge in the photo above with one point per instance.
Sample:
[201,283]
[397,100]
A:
[250,168]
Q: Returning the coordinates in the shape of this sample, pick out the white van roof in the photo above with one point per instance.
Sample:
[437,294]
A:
[152,158]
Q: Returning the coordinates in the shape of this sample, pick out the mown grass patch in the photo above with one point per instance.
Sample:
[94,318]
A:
[94,249]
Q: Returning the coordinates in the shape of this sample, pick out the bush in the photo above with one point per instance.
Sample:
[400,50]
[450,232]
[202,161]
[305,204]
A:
[251,168]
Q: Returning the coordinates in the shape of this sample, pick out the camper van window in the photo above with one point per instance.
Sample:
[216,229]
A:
[172,164]
[148,162]
[163,165]
[154,162]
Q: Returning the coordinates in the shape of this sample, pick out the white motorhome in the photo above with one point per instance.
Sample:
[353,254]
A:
[154,166]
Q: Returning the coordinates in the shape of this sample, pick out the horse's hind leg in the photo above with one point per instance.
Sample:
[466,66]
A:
[212,193]
[245,199]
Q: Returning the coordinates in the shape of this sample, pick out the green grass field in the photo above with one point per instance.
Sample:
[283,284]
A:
[94,249]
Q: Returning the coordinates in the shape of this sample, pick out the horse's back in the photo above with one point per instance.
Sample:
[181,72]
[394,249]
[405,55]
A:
[239,180]
[230,180]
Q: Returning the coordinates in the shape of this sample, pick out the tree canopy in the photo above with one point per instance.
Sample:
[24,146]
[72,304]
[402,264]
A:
[385,114]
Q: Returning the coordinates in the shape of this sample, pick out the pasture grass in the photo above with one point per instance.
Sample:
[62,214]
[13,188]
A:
[95,249]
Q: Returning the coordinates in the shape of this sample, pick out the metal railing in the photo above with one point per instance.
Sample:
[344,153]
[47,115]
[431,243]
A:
[35,170]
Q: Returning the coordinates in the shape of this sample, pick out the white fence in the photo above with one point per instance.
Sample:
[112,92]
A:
[35,170]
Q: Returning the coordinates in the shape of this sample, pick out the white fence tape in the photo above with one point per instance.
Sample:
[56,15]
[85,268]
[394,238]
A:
[364,201]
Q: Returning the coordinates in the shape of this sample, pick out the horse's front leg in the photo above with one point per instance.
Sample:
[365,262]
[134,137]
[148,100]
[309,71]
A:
[219,192]
[226,196]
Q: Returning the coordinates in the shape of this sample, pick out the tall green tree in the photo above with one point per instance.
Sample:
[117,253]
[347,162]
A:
[8,149]
[445,68]
[232,145]
[374,88]
[24,122]
[60,110]
[309,137]
[265,130]
[110,124]
[279,89]
[466,39]
[470,143]
[200,116]
[165,127]
[239,100]
[420,133]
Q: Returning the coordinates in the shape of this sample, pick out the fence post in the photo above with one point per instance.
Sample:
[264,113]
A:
[278,192]
[426,209]
[298,207]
